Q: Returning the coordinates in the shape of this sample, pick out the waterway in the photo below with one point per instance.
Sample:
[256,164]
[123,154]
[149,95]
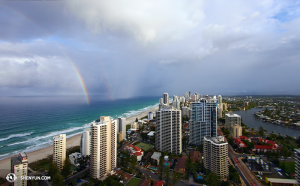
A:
[249,120]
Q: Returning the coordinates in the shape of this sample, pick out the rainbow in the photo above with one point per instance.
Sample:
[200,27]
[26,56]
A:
[79,77]
[77,72]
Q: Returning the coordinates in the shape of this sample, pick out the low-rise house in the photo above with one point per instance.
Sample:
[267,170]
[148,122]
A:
[181,164]
[239,143]
[155,158]
[74,158]
[195,156]
[144,182]
[265,148]
[133,150]
[243,138]
[125,177]
[151,134]
[158,183]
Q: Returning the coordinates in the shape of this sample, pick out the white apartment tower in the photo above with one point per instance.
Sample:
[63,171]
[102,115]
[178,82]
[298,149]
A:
[297,167]
[150,115]
[166,98]
[59,150]
[176,103]
[232,119]
[220,100]
[215,153]
[103,150]
[85,143]
[203,120]
[19,166]
[236,131]
[168,131]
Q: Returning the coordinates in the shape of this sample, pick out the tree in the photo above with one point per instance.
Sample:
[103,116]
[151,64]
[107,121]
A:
[175,177]
[161,167]
[285,152]
[58,180]
[52,169]
[66,168]
[261,131]
[136,120]
[133,161]
[167,175]
[212,179]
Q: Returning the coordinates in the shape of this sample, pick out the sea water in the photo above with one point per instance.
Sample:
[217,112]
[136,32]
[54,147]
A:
[29,123]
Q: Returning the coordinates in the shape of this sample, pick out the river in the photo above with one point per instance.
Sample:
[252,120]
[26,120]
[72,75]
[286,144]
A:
[249,120]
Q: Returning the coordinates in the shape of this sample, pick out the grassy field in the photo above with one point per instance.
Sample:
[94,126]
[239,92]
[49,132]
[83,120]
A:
[144,146]
[289,166]
[133,182]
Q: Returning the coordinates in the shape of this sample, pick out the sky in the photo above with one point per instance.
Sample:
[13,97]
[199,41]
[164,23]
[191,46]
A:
[123,49]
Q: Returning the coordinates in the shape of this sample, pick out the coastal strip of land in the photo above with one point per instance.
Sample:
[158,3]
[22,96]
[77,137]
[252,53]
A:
[71,142]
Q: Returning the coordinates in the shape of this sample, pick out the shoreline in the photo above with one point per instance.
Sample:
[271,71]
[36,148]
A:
[272,122]
[46,151]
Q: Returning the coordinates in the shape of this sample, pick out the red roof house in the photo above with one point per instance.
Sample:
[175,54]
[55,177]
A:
[158,183]
[243,138]
[239,143]
[133,150]
[265,148]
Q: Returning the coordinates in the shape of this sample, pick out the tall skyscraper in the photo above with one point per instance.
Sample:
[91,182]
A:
[166,98]
[59,150]
[161,101]
[215,153]
[168,131]
[176,103]
[85,143]
[190,94]
[19,166]
[232,119]
[122,127]
[297,167]
[203,120]
[150,115]
[103,147]
[220,99]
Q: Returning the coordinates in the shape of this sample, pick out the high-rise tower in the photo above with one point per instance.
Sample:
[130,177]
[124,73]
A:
[168,131]
[166,98]
[103,151]
[85,143]
[215,153]
[59,150]
[203,120]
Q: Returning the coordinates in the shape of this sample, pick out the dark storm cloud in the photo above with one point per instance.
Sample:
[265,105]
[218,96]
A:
[139,48]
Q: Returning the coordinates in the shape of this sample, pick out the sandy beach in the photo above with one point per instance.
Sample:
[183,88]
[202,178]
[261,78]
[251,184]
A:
[71,142]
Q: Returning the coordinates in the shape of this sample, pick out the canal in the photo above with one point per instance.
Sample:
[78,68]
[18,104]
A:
[249,120]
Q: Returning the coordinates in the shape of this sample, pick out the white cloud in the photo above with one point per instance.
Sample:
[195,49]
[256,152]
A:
[144,20]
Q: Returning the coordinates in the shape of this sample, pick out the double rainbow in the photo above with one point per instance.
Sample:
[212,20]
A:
[77,72]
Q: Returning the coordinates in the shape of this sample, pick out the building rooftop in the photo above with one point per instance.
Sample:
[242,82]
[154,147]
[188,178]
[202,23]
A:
[59,137]
[15,161]
[232,115]
[158,183]
[144,182]
[156,155]
[279,180]
[219,140]
[181,162]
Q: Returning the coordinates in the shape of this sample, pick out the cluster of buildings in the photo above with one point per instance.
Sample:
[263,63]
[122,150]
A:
[202,113]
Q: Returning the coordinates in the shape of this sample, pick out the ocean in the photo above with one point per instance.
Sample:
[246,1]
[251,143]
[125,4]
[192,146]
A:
[29,123]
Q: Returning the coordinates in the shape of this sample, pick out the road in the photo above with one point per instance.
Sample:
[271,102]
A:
[245,173]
